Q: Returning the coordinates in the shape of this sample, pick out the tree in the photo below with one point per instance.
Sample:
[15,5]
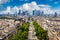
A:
[22,33]
[40,32]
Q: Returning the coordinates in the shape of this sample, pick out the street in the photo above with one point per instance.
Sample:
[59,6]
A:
[31,33]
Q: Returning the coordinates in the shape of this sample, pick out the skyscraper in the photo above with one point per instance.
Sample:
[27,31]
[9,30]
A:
[33,12]
[19,12]
[42,13]
[55,15]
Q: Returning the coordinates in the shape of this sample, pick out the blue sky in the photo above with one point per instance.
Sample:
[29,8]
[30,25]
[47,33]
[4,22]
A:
[55,4]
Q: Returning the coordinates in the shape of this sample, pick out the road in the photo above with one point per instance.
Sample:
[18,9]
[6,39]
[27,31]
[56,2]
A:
[31,33]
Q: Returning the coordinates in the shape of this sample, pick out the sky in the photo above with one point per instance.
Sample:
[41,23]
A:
[50,5]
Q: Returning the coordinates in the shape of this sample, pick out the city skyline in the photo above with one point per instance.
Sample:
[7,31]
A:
[48,6]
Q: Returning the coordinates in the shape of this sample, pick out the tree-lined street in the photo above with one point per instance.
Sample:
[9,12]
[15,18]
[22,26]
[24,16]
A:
[32,33]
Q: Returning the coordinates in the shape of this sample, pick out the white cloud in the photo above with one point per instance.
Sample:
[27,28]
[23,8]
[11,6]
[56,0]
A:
[26,6]
[34,6]
[4,1]
[46,9]
[15,9]
[44,6]
[30,6]
[7,10]
[58,11]
[10,10]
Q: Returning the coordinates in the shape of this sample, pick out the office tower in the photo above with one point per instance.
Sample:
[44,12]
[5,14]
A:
[19,12]
[36,12]
[55,15]
[42,13]
[24,13]
[33,12]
